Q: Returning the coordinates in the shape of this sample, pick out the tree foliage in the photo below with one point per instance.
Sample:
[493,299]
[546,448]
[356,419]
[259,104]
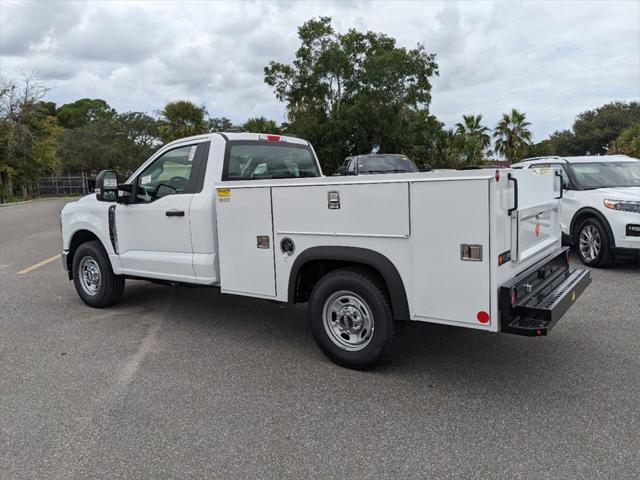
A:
[28,135]
[512,136]
[84,111]
[354,92]
[628,142]
[474,138]
[594,131]
[182,119]
[261,125]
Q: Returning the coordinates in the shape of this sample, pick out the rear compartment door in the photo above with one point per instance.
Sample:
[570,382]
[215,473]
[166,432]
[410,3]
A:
[535,215]
[447,219]
[245,240]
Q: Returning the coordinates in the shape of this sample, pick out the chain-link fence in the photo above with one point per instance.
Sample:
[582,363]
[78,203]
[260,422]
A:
[62,185]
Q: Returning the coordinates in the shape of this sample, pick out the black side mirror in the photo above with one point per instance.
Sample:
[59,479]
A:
[106,186]
[125,191]
[427,167]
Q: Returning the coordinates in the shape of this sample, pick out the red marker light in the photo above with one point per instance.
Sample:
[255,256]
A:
[497,175]
[273,138]
[482,316]
[514,297]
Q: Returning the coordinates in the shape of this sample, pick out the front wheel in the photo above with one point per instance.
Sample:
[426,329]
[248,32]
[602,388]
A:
[93,276]
[593,243]
[351,319]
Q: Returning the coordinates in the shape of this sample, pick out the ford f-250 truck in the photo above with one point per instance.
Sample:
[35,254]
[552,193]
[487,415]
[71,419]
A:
[253,215]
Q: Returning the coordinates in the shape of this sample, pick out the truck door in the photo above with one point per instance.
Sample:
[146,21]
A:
[245,241]
[153,233]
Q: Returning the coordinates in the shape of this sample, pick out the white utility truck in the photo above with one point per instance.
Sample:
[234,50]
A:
[253,215]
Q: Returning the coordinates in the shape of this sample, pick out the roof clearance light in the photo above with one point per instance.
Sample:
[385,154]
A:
[273,138]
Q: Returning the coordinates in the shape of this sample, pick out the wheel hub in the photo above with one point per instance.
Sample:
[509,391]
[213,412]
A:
[90,276]
[590,242]
[348,320]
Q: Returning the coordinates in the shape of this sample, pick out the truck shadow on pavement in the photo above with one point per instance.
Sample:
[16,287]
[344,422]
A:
[274,337]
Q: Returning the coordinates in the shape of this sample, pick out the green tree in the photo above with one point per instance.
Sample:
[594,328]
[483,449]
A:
[28,135]
[628,142]
[260,125]
[594,131]
[512,136]
[219,124]
[121,143]
[84,111]
[475,138]
[182,119]
[353,92]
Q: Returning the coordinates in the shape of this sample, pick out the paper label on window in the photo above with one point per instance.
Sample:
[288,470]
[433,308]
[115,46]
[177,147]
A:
[146,179]
[192,154]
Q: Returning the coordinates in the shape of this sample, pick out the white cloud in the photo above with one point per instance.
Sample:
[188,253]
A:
[550,59]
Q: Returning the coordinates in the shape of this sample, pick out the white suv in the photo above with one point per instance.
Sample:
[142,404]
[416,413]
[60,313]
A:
[600,205]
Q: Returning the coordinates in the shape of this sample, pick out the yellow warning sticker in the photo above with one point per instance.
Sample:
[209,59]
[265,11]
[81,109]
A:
[542,171]
[224,194]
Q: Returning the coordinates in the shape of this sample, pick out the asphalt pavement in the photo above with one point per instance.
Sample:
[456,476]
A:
[188,383]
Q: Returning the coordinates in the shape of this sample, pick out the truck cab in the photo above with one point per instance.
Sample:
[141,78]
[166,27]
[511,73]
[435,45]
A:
[252,215]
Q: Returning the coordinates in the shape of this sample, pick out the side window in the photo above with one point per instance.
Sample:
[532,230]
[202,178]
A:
[169,174]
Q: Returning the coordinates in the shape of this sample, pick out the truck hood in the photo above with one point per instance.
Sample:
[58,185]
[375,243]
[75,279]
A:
[620,193]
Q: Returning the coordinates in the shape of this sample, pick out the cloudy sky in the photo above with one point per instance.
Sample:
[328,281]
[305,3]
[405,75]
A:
[550,59]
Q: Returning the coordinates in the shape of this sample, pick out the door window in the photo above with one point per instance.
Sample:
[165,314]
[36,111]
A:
[169,174]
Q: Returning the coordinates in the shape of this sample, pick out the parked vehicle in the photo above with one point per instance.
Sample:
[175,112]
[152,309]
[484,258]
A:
[600,206]
[252,215]
[376,163]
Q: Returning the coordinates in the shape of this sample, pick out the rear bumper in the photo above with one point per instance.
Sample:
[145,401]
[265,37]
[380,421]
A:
[533,302]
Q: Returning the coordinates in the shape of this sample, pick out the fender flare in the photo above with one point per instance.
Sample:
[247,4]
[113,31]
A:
[590,211]
[363,256]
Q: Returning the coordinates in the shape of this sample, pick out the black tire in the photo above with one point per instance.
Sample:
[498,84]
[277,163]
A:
[110,287]
[593,226]
[365,288]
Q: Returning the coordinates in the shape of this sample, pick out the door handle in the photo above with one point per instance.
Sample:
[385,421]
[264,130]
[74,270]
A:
[174,213]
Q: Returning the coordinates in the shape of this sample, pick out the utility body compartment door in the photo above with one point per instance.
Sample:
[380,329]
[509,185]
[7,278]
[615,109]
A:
[245,240]
[447,217]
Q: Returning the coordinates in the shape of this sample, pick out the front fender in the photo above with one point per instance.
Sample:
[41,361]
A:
[88,215]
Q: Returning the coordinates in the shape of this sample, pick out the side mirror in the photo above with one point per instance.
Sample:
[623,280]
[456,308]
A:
[124,193]
[427,167]
[106,186]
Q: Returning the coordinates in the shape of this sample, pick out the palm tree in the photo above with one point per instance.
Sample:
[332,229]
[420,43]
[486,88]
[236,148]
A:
[512,135]
[475,137]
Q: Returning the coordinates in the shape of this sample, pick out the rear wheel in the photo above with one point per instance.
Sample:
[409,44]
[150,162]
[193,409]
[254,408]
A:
[93,276]
[592,243]
[351,318]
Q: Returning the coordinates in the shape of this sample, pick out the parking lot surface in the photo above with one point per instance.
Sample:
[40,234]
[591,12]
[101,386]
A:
[189,383]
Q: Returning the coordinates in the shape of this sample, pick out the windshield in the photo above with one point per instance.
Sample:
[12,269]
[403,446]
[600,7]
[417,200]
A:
[606,174]
[257,160]
[386,164]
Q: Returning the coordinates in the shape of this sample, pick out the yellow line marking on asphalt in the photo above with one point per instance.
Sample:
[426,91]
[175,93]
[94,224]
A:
[39,264]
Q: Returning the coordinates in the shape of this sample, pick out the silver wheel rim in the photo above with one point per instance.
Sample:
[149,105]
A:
[590,243]
[348,321]
[90,276]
